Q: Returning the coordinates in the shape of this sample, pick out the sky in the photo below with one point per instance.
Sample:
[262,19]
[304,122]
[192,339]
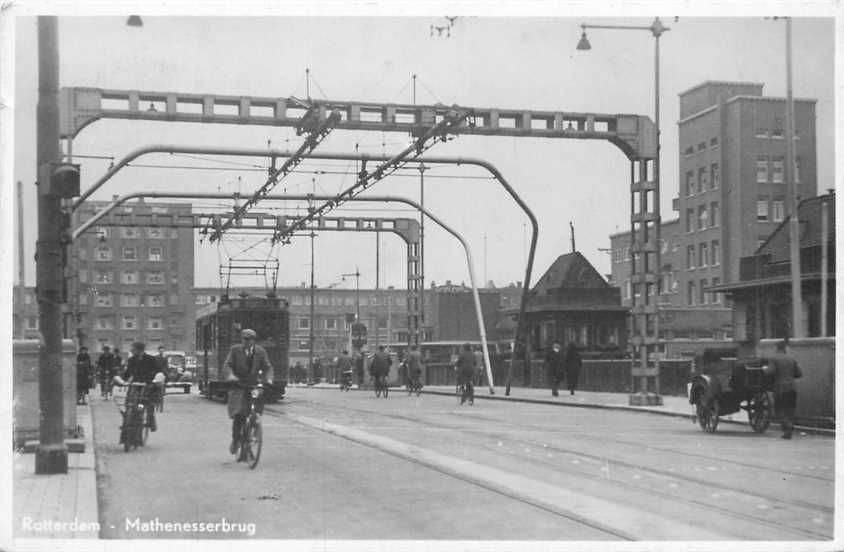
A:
[515,62]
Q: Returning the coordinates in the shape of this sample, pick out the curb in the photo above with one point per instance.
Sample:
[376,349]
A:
[638,409]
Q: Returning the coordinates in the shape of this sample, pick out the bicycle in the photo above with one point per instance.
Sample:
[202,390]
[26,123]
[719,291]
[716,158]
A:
[465,391]
[346,381]
[251,434]
[134,430]
[415,385]
[381,387]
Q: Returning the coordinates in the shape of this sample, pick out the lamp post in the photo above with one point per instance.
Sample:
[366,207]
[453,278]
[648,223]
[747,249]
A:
[356,274]
[656,28]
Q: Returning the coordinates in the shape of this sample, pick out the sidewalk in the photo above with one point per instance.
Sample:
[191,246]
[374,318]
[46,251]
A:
[62,505]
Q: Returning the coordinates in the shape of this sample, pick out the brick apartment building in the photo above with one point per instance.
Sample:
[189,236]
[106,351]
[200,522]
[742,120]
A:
[731,198]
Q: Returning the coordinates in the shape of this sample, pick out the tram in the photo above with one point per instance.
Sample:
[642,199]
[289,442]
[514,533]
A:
[218,327]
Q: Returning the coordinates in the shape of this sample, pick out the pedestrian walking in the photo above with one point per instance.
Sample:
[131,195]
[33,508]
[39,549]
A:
[554,367]
[83,375]
[317,371]
[572,365]
[479,365]
[784,370]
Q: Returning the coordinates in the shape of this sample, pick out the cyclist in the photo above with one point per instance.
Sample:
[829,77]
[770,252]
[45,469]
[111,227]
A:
[141,368]
[246,363]
[465,367]
[413,361]
[380,366]
[344,364]
[106,370]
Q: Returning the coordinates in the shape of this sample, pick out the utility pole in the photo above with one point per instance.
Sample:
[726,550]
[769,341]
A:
[571,228]
[51,454]
[791,186]
[377,288]
[21,285]
[311,322]
[422,168]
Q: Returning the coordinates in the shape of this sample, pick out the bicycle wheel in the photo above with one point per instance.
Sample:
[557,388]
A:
[137,432]
[125,433]
[759,412]
[253,441]
[386,390]
[458,390]
[145,427]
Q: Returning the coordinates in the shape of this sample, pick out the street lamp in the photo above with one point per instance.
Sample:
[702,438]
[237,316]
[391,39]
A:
[656,28]
[356,274]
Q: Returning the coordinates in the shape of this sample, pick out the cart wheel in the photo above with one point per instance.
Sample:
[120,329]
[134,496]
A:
[759,412]
[707,414]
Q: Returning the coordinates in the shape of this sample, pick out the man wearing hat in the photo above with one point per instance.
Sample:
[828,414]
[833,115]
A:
[246,363]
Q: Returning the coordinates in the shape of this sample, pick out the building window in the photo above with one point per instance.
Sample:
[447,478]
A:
[129,232]
[103,253]
[716,253]
[297,300]
[83,298]
[689,151]
[102,277]
[103,300]
[129,300]
[762,169]
[761,132]
[776,170]
[716,297]
[102,232]
[130,253]
[703,254]
[155,323]
[690,256]
[762,210]
[304,323]
[690,183]
[27,299]
[691,294]
[797,170]
[690,220]
[83,276]
[777,134]
[703,294]
[778,210]
[714,177]
[304,344]
[155,300]
[31,322]
[714,214]
[702,217]
[155,253]
[155,277]
[330,323]
[702,179]
[713,142]
[627,288]
[130,323]
[129,277]
[103,323]
[155,233]
[701,147]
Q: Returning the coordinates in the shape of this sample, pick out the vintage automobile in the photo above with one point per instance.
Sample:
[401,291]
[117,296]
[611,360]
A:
[721,386]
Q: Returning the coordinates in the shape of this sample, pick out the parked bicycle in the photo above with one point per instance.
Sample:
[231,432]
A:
[251,435]
[465,392]
[345,381]
[134,430]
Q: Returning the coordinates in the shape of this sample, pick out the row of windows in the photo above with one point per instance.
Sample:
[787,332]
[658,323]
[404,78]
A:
[104,253]
[126,277]
[337,323]
[700,257]
[776,212]
[697,294]
[667,285]
[772,169]
[350,300]
[708,178]
[130,232]
[705,217]
[102,299]
[130,323]
[776,133]
[701,147]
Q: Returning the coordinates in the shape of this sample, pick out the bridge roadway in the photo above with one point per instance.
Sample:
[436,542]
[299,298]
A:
[349,466]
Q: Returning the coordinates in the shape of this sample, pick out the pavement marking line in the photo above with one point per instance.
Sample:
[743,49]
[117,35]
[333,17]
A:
[617,519]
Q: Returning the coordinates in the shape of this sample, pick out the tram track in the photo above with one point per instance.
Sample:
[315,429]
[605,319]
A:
[428,423]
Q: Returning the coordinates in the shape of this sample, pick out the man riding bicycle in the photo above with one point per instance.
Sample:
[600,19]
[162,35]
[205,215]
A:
[141,368]
[380,366]
[413,362]
[465,367]
[344,365]
[248,364]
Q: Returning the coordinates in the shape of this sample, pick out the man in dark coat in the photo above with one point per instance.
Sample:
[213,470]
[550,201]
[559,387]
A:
[248,364]
[381,362]
[105,372]
[554,367]
[466,372]
[572,364]
[141,368]
[785,370]
[83,375]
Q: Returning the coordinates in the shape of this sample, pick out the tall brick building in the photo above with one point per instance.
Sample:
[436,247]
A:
[731,197]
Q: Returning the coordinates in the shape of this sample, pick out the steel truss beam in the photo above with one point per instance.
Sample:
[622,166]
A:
[635,135]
